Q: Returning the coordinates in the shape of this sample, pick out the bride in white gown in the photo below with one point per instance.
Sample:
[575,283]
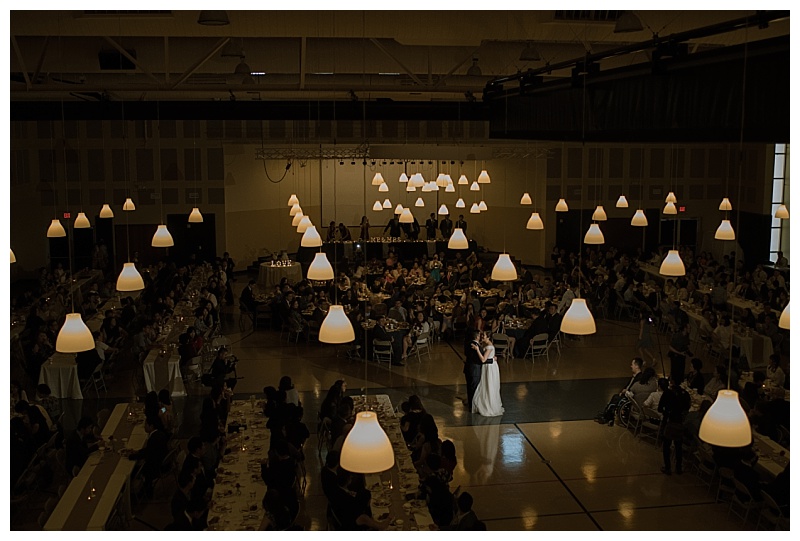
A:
[487,400]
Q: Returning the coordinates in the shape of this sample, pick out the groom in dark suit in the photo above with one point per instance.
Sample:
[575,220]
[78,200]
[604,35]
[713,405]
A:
[472,367]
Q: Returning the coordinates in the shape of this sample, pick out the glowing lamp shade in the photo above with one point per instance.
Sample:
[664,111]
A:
[460,204]
[297,218]
[725,423]
[671,198]
[725,231]
[377,180]
[783,323]
[195,217]
[447,179]
[441,180]
[672,265]
[398,209]
[56,229]
[82,222]
[295,209]
[367,448]
[427,187]
[594,235]
[410,188]
[483,178]
[504,270]
[482,206]
[458,240]
[475,209]
[311,238]
[128,204]
[782,212]
[387,204]
[406,217]
[162,238]
[434,187]
[419,202]
[599,214]
[725,204]
[403,178]
[377,207]
[13,257]
[670,208]
[578,319]
[622,202]
[417,180]
[443,210]
[320,268]
[336,327]
[462,180]
[74,336]
[383,187]
[305,223]
[525,199]
[639,219]
[293,200]
[535,222]
[474,187]
[562,206]
[106,211]
[450,188]
[129,278]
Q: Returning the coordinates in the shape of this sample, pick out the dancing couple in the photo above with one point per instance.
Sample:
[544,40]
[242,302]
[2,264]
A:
[483,376]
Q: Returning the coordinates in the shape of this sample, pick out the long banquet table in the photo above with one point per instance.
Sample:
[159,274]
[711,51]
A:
[60,373]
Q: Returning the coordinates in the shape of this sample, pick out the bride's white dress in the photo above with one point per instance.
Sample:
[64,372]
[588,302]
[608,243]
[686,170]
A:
[487,400]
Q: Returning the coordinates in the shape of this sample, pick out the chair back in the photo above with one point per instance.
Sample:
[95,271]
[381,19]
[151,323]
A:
[382,346]
[500,340]
[539,341]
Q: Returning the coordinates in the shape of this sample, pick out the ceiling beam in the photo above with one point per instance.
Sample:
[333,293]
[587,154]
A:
[21,62]
[302,63]
[214,50]
[40,63]
[127,55]
[454,68]
[399,63]
[166,60]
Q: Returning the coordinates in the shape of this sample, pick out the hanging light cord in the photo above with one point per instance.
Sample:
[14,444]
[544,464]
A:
[66,201]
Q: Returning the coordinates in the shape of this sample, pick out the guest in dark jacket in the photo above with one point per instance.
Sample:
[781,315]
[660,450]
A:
[154,451]
[695,377]
[80,444]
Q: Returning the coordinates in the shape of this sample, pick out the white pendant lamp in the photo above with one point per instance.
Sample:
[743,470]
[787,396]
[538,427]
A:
[671,198]
[599,214]
[292,200]
[13,257]
[725,423]
[406,217]
[622,202]
[594,235]
[525,199]
[106,211]
[320,269]
[377,180]
[670,208]
[383,187]
[195,217]
[56,229]
[672,265]
[443,210]
[426,188]
[297,218]
[483,178]
[783,322]
[460,204]
[725,231]
[725,204]
[403,178]
[377,207]
[295,209]
[535,222]
[398,209]
[162,238]
[562,206]
[482,206]
[419,202]
[639,219]
[782,212]
[74,336]
[447,180]
[417,180]
[474,187]
[311,238]
[336,327]
[578,319]
[475,209]
[129,278]
[504,270]
[128,204]
[441,180]
[458,241]
[366,448]
[434,186]
[305,223]
[410,187]
[462,180]
[387,204]
[81,221]
[450,188]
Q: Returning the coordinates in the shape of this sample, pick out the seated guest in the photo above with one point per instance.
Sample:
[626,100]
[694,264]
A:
[45,399]
[80,444]
[153,453]
[718,381]
[695,378]
[409,423]
[774,371]
[280,475]
[182,495]
[464,518]
[607,415]
[35,419]
[351,506]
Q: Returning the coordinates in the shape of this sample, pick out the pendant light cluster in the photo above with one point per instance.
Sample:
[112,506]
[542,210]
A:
[162,238]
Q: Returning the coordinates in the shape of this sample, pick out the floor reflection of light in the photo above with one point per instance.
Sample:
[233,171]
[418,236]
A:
[529,518]
[589,472]
[522,391]
[512,447]
[555,430]
[627,510]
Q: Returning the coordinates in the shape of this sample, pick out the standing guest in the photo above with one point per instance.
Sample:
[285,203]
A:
[678,350]
[431,225]
[331,232]
[393,227]
[461,224]
[248,298]
[673,406]
[446,227]
[344,233]
[364,229]
[287,386]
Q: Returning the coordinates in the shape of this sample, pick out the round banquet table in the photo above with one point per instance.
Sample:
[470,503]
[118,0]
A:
[269,276]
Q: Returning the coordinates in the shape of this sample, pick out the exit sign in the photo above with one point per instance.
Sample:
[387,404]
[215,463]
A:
[681,209]
[67,215]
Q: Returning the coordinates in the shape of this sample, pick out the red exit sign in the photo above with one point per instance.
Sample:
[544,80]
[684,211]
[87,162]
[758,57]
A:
[67,215]
[681,209]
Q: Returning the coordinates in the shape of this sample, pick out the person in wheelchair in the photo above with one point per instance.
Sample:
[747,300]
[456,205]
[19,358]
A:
[607,415]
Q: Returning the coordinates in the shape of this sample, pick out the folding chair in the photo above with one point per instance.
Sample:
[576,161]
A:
[651,425]
[423,342]
[556,341]
[771,513]
[382,351]
[500,342]
[96,380]
[537,348]
[743,501]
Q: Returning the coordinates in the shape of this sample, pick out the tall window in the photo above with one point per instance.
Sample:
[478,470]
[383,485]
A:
[778,237]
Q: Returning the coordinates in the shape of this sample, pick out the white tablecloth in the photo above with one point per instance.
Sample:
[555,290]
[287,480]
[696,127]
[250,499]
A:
[162,372]
[60,373]
[269,276]
[770,461]
[756,347]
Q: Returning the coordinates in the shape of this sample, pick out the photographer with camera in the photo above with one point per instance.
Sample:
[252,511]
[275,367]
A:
[223,365]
